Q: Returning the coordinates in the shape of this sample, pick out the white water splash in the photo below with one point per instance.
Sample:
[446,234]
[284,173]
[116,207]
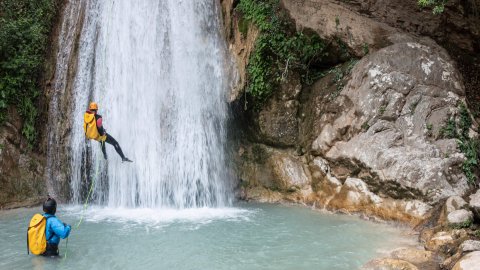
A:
[157,70]
[161,216]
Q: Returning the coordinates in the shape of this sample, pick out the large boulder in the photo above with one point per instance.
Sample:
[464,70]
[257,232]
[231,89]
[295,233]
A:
[471,261]
[389,120]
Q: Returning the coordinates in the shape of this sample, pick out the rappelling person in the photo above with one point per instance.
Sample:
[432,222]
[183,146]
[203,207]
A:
[45,231]
[94,130]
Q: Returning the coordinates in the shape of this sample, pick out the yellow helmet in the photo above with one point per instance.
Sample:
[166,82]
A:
[93,106]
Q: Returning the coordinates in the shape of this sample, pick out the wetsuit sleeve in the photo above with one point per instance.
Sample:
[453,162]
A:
[100,128]
[60,230]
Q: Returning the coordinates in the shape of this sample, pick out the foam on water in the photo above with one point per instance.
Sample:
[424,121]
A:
[160,216]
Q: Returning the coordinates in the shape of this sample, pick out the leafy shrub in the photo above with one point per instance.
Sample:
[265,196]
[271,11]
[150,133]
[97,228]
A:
[438,5]
[278,48]
[24,30]
[459,129]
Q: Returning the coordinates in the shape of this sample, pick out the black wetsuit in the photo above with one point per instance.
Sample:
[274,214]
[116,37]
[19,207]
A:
[109,139]
[52,250]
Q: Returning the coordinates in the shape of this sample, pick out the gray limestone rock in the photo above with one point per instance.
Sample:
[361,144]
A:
[390,119]
[454,203]
[475,203]
[471,261]
[461,216]
[470,245]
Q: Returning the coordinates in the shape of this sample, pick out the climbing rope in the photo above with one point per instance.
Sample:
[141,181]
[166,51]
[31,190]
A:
[85,205]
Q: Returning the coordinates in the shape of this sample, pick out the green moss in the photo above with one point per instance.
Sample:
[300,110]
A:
[24,29]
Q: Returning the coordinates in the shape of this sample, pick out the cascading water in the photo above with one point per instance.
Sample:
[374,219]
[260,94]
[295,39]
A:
[157,70]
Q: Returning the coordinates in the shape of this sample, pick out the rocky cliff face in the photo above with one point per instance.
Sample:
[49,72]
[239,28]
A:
[368,136]
[23,167]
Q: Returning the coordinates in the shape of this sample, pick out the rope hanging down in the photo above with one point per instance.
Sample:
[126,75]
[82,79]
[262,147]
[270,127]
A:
[85,205]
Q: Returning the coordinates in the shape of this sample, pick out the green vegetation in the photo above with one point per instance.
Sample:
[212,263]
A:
[458,128]
[24,31]
[414,105]
[463,225]
[278,49]
[438,5]
[366,48]
[382,110]
[365,125]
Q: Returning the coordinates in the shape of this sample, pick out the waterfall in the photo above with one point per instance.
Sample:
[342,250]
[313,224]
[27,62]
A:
[157,69]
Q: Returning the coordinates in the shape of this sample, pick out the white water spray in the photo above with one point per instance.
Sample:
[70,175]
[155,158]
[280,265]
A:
[157,71]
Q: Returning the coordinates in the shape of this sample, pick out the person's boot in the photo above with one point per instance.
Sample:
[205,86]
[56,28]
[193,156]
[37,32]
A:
[126,160]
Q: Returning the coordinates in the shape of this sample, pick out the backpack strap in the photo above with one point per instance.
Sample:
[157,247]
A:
[51,236]
[28,245]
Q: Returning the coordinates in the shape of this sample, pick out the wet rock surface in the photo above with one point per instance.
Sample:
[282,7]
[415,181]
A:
[389,264]
[422,259]
[21,170]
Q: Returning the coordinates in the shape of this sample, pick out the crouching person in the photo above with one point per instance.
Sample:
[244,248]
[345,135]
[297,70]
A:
[45,231]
